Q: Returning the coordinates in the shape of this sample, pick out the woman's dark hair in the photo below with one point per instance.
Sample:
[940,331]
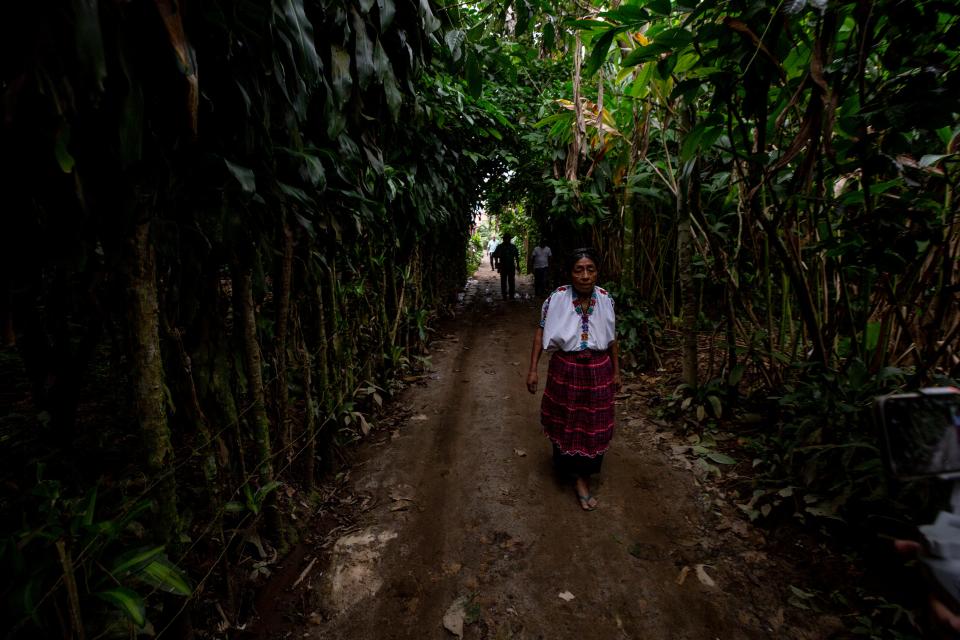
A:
[582,252]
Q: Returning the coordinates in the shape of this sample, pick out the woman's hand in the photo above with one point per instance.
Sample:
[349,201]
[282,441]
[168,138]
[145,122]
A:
[532,380]
[617,381]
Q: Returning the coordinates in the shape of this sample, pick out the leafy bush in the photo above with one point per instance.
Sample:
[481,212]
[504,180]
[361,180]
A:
[824,449]
[474,253]
[105,565]
[637,327]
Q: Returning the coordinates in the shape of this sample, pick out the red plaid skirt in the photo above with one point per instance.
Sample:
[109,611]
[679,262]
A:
[577,408]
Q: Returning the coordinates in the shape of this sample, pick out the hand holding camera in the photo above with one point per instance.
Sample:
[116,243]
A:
[921,437]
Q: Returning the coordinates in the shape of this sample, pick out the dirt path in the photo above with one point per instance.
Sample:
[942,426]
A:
[460,502]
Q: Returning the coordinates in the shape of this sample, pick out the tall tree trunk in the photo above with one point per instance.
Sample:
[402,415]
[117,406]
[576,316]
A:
[628,250]
[687,294]
[309,408]
[281,388]
[324,388]
[209,444]
[246,316]
[580,126]
[147,374]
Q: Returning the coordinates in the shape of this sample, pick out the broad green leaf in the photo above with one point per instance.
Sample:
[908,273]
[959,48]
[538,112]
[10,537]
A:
[691,142]
[599,54]
[340,77]
[387,10]
[715,406]
[586,24]
[127,601]
[302,31]
[566,116]
[384,70]
[89,509]
[89,41]
[363,51]
[643,54]
[641,86]
[660,6]
[872,336]
[523,17]
[243,175]
[736,374]
[474,77]
[64,158]
[673,38]
[932,159]
[721,458]
[430,21]
[133,560]
[549,36]
[164,575]
[267,489]
[294,193]
[454,40]
[630,15]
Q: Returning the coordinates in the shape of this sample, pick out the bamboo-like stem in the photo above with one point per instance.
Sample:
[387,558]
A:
[243,281]
[147,372]
[73,594]
[309,408]
[281,388]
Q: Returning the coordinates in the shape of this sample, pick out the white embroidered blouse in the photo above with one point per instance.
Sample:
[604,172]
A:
[567,328]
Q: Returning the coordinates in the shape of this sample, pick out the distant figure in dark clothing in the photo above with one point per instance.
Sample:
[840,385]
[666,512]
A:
[507,260]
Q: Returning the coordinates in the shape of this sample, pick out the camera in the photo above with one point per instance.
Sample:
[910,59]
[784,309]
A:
[920,434]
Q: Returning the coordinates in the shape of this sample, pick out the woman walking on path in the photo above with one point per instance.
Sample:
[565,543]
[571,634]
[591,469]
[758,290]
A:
[577,324]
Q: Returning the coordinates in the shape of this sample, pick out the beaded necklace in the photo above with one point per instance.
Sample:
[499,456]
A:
[584,316]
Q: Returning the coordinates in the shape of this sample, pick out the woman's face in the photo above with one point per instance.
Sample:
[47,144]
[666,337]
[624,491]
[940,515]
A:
[584,275]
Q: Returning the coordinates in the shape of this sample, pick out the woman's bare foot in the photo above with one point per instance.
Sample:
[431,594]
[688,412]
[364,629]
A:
[587,501]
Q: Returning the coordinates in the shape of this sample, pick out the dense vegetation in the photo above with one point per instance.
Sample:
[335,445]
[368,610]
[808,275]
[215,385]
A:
[230,225]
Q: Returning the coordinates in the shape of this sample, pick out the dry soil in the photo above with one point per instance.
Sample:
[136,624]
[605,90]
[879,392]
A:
[459,520]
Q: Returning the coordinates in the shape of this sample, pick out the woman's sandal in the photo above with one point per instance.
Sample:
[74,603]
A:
[585,502]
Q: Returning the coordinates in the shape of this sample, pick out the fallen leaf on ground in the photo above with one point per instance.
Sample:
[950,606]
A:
[683,576]
[403,492]
[520,452]
[754,557]
[703,577]
[777,620]
[420,417]
[566,595]
[454,617]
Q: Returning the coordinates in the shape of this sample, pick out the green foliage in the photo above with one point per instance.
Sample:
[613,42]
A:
[475,252]
[334,156]
[105,556]
[638,328]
